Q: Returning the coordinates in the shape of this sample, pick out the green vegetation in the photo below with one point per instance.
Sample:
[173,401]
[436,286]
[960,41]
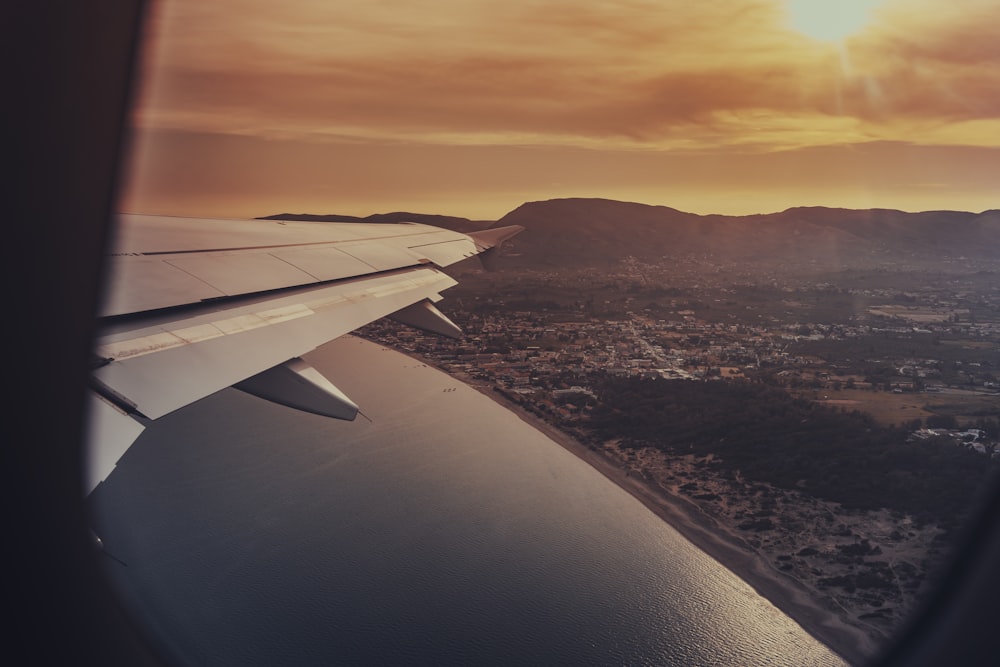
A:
[766,435]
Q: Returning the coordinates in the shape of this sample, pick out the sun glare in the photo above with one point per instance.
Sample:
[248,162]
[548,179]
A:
[830,20]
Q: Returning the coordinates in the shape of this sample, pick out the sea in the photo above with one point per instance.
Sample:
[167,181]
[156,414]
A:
[436,529]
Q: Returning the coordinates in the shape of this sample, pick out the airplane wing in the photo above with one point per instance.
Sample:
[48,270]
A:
[197,305]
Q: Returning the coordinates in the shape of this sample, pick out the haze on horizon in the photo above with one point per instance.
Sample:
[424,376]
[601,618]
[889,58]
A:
[247,108]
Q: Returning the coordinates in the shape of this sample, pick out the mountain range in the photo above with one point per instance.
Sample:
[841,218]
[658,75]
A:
[601,232]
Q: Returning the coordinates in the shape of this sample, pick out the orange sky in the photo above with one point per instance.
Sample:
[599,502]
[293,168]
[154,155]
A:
[469,107]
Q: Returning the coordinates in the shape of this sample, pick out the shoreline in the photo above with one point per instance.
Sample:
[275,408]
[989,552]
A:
[851,643]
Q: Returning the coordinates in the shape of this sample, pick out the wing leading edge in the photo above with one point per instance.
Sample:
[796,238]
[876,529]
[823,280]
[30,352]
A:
[197,305]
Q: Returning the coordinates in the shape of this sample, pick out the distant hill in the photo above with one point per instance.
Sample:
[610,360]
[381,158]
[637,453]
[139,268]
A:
[601,232]
[445,221]
[575,232]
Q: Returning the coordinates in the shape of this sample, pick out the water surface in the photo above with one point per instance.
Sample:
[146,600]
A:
[443,531]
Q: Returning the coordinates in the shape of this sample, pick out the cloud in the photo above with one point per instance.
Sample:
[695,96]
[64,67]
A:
[252,107]
[639,74]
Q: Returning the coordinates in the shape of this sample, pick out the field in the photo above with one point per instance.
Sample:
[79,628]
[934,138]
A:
[889,408]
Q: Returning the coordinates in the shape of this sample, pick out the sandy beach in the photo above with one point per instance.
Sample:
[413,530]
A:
[856,645]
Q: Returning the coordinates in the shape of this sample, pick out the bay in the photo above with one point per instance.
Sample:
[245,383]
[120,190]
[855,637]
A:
[439,529]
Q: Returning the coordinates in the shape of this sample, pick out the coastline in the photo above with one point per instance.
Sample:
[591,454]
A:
[853,644]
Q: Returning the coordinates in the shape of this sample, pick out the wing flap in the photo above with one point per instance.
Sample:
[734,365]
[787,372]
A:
[162,367]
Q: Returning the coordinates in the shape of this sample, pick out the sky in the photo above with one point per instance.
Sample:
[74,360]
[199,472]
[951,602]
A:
[246,108]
